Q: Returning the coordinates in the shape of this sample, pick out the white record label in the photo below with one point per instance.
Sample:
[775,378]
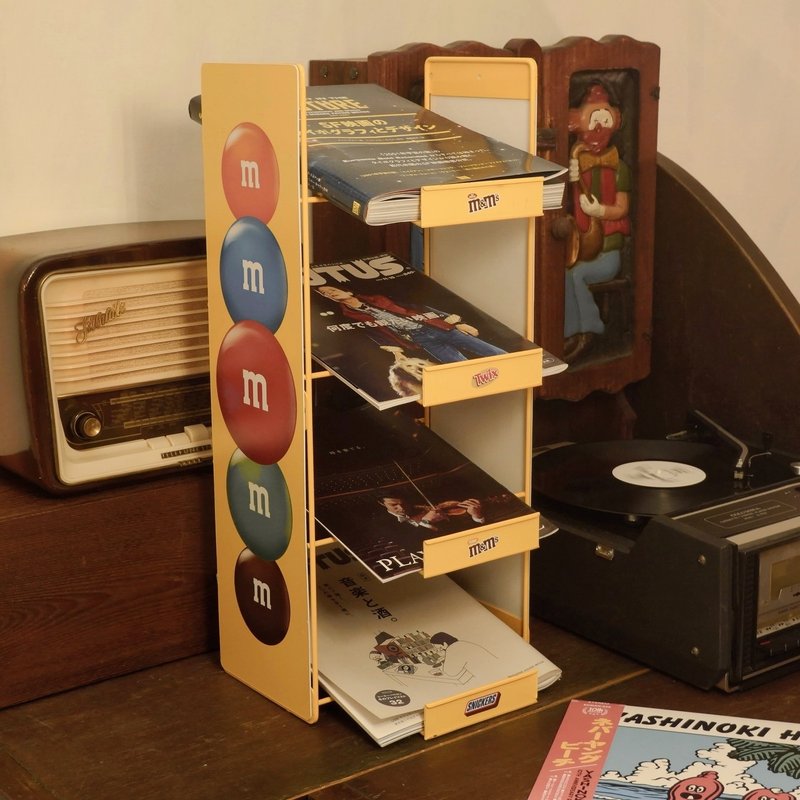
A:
[658,474]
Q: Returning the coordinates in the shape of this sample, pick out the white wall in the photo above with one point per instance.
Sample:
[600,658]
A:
[93,94]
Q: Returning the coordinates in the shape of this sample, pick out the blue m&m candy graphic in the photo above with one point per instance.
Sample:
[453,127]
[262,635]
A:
[253,274]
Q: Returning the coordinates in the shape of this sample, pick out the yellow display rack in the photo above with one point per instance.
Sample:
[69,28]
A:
[258,244]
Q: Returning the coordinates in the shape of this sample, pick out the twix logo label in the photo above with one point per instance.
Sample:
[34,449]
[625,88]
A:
[87,325]
[485,377]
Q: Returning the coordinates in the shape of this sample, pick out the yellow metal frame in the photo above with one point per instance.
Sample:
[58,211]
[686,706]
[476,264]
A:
[273,97]
[462,204]
[269,96]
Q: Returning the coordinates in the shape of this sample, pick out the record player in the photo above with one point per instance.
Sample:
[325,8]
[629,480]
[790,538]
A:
[682,553]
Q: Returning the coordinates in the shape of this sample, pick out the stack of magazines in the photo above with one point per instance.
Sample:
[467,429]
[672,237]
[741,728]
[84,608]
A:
[388,649]
[371,150]
[377,324]
[384,484]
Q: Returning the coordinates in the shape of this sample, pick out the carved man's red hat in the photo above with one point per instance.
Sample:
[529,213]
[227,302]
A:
[596,93]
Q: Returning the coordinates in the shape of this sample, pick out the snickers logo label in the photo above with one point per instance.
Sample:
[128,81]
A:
[480,704]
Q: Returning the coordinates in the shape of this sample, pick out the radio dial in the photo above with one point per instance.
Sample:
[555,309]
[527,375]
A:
[87,425]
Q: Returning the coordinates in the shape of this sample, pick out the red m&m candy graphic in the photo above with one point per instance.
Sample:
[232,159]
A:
[250,176]
[256,392]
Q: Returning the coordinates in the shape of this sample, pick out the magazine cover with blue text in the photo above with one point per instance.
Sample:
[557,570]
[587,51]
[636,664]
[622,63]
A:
[371,150]
[622,752]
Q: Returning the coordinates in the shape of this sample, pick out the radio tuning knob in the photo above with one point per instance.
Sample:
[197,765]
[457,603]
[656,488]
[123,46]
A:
[87,425]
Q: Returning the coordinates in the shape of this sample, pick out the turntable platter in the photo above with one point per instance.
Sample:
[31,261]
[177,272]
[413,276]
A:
[634,478]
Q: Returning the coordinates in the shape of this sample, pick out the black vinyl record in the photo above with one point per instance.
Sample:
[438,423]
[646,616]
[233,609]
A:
[635,478]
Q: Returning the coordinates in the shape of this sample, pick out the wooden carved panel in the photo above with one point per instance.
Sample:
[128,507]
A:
[594,307]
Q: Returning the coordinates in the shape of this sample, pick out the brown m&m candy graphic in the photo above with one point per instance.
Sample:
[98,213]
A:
[262,596]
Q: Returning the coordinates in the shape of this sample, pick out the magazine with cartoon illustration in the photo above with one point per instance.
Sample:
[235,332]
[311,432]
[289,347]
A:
[377,322]
[390,648]
[385,483]
[620,752]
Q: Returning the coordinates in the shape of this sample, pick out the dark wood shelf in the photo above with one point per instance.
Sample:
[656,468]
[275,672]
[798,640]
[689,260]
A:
[103,583]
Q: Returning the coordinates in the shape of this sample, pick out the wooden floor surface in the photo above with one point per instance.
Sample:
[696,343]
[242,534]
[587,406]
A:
[188,730]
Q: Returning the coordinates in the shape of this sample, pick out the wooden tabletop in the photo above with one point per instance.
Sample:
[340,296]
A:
[188,730]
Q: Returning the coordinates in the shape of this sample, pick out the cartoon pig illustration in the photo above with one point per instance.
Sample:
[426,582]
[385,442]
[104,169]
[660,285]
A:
[705,786]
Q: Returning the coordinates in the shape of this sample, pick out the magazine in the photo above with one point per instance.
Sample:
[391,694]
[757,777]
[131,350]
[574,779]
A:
[552,365]
[614,752]
[384,483]
[370,150]
[377,323]
[388,649]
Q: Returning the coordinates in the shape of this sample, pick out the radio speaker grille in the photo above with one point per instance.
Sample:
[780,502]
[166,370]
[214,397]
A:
[125,326]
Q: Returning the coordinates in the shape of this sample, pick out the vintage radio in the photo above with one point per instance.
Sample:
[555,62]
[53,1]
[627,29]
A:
[683,553]
[105,353]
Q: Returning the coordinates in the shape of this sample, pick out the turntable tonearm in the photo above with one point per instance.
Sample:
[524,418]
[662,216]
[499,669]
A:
[683,553]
